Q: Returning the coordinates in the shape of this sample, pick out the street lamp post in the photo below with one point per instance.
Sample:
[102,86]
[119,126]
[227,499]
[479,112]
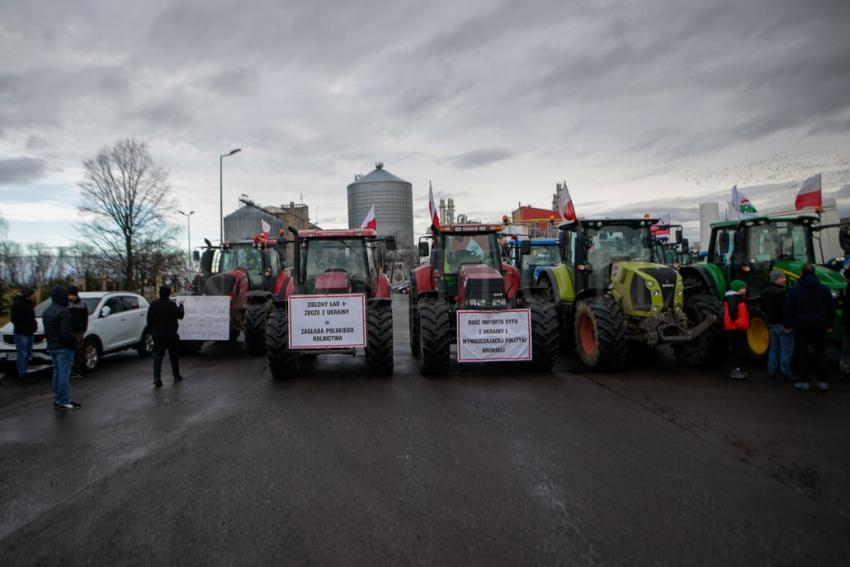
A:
[221,191]
[188,232]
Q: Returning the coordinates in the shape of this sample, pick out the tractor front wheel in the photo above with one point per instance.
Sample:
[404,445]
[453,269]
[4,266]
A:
[379,346]
[256,316]
[413,324]
[707,348]
[600,333]
[435,336]
[283,362]
[544,335]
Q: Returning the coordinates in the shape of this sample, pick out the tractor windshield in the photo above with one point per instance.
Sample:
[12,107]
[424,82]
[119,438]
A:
[543,255]
[611,243]
[242,258]
[460,249]
[333,255]
[779,240]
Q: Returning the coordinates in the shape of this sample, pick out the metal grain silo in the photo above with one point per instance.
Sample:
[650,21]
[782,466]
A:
[393,200]
[247,222]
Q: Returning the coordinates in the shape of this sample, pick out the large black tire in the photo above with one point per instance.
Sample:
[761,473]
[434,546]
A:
[435,336]
[600,334]
[283,363]
[145,346]
[565,319]
[544,334]
[708,348]
[413,324]
[256,317]
[379,345]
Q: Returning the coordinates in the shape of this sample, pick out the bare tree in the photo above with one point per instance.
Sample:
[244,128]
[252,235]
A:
[41,259]
[125,197]
[11,260]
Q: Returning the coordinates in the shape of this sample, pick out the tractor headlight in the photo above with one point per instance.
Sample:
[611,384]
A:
[836,293]
[477,302]
[655,293]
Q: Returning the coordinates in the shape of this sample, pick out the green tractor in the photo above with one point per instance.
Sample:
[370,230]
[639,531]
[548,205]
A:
[610,293]
[749,250]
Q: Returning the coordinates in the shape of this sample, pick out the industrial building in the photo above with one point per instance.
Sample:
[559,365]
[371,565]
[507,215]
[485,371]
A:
[393,201]
[247,222]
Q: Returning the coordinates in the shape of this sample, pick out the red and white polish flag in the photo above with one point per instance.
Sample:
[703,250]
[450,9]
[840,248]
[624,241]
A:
[810,194]
[370,221]
[432,207]
[565,206]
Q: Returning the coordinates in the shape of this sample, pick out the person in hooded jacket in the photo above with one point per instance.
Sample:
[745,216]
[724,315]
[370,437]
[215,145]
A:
[79,326]
[736,321]
[163,317]
[772,303]
[25,325]
[60,343]
[845,324]
[809,312]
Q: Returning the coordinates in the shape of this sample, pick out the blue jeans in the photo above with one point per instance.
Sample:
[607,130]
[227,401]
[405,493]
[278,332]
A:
[23,344]
[781,348]
[63,358]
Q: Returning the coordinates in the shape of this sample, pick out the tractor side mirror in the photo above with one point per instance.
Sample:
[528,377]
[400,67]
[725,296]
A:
[196,256]
[105,311]
[424,249]
[679,236]
[525,247]
[207,260]
[390,243]
[685,245]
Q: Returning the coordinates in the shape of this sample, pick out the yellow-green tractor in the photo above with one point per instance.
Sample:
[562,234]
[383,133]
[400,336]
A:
[611,294]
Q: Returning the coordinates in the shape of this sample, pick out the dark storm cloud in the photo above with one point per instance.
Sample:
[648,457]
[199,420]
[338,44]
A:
[21,170]
[480,158]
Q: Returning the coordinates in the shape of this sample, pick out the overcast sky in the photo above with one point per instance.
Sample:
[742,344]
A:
[637,105]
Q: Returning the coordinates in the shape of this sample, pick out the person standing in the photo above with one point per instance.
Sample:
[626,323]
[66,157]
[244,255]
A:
[772,304]
[25,325]
[163,317]
[736,321]
[810,312]
[844,363]
[79,326]
[60,343]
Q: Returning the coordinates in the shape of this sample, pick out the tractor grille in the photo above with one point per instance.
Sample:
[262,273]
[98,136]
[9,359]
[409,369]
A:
[641,299]
[666,278]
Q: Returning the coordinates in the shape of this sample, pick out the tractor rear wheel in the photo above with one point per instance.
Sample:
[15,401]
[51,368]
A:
[379,345]
[600,333]
[544,334]
[707,348]
[283,362]
[413,323]
[435,336]
[256,316]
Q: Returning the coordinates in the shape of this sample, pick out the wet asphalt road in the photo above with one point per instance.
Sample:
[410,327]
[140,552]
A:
[486,466]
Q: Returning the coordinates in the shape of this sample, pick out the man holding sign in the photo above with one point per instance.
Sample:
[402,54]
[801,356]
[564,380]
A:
[163,317]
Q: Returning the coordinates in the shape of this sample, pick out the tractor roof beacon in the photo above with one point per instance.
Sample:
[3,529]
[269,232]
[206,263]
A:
[250,271]
[331,263]
[465,271]
[749,250]
[611,293]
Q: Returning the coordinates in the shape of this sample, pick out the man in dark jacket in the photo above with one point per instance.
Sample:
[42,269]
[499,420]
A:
[60,343]
[25,325]
[163,317]
[79,326]
[772,303]
[810,312]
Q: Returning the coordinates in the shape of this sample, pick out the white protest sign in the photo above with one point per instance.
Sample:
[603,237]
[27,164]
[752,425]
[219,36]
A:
[494,336]
[207,317]
[327,321]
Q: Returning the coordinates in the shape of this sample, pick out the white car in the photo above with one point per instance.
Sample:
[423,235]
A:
[117,321]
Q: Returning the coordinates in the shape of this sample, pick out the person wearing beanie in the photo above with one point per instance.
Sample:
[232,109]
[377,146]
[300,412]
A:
[24,327]
[60,344]
[772,303]
[809,313]
[844,363]
[79,326]
[736,321]
[163,317]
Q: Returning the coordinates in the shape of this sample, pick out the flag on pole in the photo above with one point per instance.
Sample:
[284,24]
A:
[662,229]
[265,226]
[565,206]
[432,208]
[810,194]
[370,221]
[742,204]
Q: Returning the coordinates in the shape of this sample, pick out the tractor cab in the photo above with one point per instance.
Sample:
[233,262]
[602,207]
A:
[531,257]
[260,259]
[670,248]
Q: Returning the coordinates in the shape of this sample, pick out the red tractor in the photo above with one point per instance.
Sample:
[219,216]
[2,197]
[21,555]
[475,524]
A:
[249,271]
[466,275]
[336,300]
